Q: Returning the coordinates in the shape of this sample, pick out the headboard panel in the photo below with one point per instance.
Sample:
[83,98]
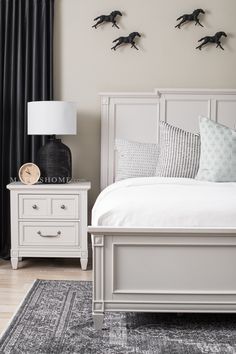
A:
[136,116]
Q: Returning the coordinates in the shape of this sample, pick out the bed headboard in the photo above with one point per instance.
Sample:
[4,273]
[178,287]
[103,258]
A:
[136,116]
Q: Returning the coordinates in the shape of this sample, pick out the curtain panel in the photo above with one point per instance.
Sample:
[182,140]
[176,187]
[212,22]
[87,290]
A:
[26,74]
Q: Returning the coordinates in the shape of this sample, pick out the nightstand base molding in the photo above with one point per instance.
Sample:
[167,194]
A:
[71,254]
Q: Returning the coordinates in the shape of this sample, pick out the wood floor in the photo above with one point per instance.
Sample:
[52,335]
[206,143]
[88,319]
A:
[14,284]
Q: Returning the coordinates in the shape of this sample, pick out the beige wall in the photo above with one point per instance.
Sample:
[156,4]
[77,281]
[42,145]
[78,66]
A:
[85,65]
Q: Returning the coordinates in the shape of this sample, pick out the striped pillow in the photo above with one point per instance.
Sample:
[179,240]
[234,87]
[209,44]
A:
[179,152]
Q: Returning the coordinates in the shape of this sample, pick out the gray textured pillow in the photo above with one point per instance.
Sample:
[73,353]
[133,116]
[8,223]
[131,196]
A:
[135,159]
[218,152]
[179,152]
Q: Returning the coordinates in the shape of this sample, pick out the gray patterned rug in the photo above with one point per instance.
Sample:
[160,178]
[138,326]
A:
[55,317]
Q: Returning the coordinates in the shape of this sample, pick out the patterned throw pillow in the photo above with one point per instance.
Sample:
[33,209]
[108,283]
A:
[218,152]
[135,159]
[179,152]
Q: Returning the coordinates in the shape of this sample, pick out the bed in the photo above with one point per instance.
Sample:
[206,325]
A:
[145,263]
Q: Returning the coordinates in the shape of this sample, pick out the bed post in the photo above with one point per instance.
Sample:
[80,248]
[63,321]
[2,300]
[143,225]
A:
[98,280]
[98,321]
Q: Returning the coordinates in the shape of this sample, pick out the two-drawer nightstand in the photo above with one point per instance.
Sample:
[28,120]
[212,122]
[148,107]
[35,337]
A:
[49,220]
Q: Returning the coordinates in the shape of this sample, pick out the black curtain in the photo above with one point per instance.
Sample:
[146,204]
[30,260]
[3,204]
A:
[26,74]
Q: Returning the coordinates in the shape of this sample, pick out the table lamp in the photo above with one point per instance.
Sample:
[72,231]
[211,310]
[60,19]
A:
[53,118]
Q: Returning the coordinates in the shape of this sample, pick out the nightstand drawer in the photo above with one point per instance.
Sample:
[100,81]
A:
[49,234]
[65,207]
[48,206]
[34,206]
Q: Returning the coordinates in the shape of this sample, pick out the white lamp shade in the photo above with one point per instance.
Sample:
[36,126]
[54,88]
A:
[51,118]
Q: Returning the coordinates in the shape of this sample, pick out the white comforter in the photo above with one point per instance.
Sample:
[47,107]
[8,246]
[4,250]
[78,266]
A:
[166,202]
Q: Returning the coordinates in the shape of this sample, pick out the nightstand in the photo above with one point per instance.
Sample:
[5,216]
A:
[49,220]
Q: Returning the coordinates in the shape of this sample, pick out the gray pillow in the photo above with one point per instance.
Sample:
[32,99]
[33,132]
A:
[218,152]
[135,159]
[179,152]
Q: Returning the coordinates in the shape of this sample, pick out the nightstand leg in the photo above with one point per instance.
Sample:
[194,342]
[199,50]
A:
[14,263]
[84,263]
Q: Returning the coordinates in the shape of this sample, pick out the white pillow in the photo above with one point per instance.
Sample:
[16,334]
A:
[135,159]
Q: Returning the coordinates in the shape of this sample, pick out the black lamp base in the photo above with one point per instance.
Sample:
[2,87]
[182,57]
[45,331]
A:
[54,161]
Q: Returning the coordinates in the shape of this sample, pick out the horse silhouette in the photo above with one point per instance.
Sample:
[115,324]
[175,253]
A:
[214,39]
[190,17]
[107,18]
[127,40]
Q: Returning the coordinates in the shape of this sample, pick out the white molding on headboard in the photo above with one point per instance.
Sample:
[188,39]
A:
[130,114]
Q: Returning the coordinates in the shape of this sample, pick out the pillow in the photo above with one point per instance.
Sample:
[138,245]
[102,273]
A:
[135,159]
[179,152]
[218,152]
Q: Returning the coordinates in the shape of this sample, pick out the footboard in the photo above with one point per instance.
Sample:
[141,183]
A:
[163,270]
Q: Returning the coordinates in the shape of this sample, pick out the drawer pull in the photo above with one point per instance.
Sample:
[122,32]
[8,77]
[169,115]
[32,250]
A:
[63,207]
[34,206]
[40,234]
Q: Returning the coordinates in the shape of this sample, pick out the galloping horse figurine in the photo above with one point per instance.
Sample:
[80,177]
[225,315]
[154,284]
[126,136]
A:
[214,39]
[127,40]
[191,17]
[108,18]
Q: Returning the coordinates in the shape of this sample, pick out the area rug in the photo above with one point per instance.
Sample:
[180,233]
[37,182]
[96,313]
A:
[56,317]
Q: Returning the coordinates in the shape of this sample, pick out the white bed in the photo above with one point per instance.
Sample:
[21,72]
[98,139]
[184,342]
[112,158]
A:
[184,260]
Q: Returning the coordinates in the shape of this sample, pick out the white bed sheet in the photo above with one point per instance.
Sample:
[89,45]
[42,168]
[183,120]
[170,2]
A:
[166,202]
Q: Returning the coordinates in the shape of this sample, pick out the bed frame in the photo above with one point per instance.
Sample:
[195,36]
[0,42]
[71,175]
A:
[156,269]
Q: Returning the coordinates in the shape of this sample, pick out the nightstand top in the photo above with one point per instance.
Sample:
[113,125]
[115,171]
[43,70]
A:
[81,185]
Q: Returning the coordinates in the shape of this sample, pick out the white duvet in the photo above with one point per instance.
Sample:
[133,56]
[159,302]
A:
[166,202]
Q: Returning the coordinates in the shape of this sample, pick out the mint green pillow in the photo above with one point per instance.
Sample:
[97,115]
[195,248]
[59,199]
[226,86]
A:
[218,152]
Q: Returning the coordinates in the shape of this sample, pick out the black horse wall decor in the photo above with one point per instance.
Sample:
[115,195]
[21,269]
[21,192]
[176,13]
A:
[107,18]
[212,39]
[190,17]
[130,39]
